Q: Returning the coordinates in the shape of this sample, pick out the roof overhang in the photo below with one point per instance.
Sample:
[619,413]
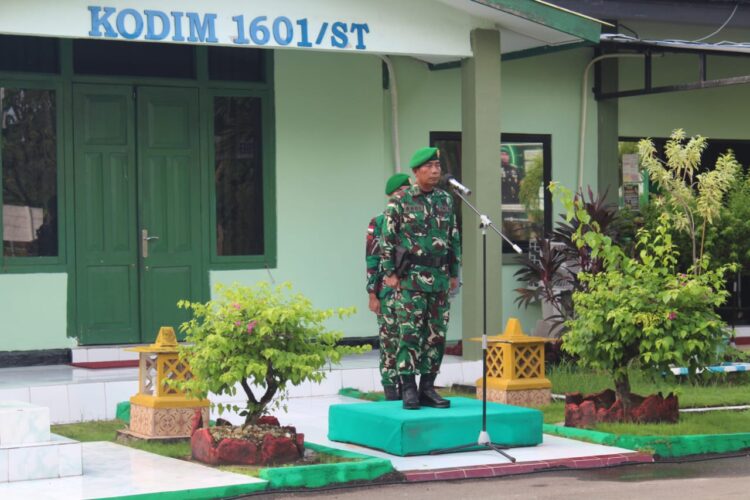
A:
[432,30]
[529,25]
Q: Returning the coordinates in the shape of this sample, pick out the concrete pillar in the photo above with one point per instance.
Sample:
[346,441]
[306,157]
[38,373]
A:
[480,165]
[608,131]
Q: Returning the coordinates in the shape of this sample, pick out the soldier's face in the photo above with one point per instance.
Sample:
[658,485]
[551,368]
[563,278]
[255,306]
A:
[428,175]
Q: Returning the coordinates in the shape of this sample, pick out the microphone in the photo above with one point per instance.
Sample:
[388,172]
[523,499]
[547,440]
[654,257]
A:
[457,185]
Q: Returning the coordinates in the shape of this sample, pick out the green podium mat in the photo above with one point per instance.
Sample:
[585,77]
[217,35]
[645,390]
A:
[386,426]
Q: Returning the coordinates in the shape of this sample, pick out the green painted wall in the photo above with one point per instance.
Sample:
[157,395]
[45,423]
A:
[539,95]
[33,309]
[333,155]
[330,163]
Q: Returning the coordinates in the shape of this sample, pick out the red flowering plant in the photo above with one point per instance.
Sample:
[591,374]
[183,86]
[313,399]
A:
[259,338]
[639,310]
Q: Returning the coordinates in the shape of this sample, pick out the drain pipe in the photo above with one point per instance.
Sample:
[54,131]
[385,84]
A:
[584,105]
[394,113]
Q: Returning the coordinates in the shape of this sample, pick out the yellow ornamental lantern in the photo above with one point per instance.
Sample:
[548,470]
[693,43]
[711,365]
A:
[160,411]
[515,368]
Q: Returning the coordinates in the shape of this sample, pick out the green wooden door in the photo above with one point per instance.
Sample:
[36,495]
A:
[137,207]
[169,208]
[107,299]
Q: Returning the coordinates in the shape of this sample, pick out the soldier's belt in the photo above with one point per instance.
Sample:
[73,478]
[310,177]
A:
[423,260]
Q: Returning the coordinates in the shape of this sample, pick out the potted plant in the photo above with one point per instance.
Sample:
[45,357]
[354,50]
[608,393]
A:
[262,339]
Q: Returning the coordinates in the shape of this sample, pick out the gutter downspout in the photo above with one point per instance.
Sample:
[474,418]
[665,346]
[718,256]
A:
[394,113]
[584,104]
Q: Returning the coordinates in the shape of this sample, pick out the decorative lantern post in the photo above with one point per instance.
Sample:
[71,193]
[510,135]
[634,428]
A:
[515,368]
[159,411]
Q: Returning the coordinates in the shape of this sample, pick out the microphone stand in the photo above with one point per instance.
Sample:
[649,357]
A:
[484,440]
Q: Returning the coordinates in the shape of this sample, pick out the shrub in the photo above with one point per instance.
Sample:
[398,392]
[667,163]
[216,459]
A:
[260,336]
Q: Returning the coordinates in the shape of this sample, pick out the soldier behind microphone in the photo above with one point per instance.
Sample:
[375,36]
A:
[381,297]
[420,231]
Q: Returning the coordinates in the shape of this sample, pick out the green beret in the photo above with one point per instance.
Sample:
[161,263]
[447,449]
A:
[422,156]
[396,181]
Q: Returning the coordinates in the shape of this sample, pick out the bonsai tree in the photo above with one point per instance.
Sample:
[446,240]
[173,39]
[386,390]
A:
[640,309]
[261,337]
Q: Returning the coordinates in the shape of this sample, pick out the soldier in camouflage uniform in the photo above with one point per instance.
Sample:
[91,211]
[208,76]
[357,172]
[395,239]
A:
[420,227]
[381,297]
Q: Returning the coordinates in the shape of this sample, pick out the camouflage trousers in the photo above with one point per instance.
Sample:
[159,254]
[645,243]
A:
[423,322]
[388,336]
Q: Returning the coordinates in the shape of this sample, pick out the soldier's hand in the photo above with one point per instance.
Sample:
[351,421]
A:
[391,281]
[374,304]
[454,283]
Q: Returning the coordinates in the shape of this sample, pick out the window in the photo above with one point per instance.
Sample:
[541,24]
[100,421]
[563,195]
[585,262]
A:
[525,160]
[239,64]
[106,57]
[29,172]
[238,174]
[29,54]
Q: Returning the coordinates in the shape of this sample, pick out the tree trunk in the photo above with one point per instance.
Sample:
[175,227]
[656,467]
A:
[622,389]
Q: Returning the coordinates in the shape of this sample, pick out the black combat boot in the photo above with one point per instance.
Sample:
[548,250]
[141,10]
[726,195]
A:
[391,393]
[409,392]
[428,396]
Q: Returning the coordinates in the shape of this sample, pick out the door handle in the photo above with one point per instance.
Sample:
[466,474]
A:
[145,238]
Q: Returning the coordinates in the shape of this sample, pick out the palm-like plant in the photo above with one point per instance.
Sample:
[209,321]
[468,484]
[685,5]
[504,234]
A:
[552,276]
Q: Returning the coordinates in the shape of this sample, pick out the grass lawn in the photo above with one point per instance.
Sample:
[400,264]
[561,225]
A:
[715,390]
[712,422]
[106,430]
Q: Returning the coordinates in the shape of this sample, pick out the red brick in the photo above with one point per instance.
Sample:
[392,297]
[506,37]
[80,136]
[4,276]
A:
[478,471]
[420,476]
[447,475]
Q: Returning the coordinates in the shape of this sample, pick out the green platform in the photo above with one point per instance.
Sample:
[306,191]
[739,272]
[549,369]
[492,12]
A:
[388,427]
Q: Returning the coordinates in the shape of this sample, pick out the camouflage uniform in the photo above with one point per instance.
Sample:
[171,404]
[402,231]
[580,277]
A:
[425,225]
[387,327]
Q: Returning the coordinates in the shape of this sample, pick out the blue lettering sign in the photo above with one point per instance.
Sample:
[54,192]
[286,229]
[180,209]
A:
[199,29]
[287,38]
[151,17]
[304,36]
[194,27]
[360,30]
[338,35]
[137,21]
[99,21]
[177,37]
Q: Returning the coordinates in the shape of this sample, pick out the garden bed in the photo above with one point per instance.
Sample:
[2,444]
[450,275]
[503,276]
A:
[662,443]
[319,466]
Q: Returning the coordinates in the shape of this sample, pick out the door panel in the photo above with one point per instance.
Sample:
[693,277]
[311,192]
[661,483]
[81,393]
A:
[169,205]
[106,243]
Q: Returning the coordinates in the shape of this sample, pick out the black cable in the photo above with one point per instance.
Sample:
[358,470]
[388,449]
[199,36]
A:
[634,32]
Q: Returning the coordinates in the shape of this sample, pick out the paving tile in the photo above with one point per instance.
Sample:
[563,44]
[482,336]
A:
[17,394]
[54,397]
[117,392]
[86,402]
[329,386]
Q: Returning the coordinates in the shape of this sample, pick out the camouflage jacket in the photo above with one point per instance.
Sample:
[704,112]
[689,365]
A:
[424,224]
[372,255]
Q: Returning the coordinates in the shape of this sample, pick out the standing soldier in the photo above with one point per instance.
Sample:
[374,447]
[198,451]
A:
[420,258]
[381,297]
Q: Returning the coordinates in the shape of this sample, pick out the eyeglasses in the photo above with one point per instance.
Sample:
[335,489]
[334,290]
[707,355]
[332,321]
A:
[433,164]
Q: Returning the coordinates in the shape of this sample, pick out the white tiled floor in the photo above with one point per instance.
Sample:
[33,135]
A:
[78,394]
[111,470]
[310,416]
